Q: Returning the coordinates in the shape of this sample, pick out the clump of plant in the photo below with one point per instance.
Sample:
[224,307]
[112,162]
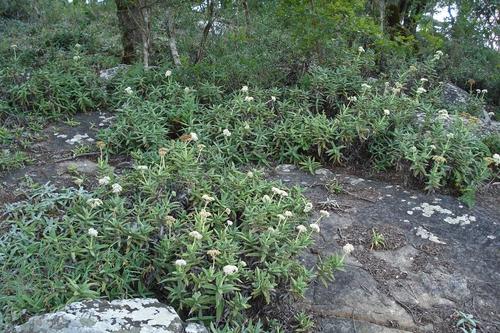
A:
[466,322]
[214,241]
[378,240]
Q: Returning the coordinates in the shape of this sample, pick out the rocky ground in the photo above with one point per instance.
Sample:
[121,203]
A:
[438,255]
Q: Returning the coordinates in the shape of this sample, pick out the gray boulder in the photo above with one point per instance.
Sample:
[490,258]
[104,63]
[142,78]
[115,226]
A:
[100,316]
[108,74]
[454,95]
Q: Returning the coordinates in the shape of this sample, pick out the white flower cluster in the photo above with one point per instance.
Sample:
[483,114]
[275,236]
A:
[496,159]
[94,202]
[92,232]
[116,188]
[196,235]
[438,55]
[230,269]
[348,248]
[279,192]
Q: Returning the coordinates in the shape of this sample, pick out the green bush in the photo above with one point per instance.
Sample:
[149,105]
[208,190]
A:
[214,242]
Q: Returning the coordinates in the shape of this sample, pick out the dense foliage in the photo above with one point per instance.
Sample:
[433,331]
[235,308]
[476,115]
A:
[194,221]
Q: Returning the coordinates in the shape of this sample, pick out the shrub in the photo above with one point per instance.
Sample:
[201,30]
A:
[214,242]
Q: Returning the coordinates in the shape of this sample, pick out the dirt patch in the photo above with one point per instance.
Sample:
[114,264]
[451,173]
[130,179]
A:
[393,237]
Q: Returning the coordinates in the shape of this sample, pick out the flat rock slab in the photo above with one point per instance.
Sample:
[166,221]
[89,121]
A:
[123,316]
[52,156]
[439,256]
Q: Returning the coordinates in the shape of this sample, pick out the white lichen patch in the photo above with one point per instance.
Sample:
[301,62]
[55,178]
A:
[58,135]
[105,120]
[490,237]
[78,138]
[356,181]
[429,210]
[462,220]
[423,233]
[133,315]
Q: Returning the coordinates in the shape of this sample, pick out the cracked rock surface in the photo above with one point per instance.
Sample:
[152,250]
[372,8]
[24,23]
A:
[439,256]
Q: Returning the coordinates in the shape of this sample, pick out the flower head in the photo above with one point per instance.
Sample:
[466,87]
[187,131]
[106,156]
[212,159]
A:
[162,152]
[229,269]
[361,49]
[421,90]
[496,159]
[92,232]
[281,217]
[314,227]
[250,174]
[423,80]
[104,180]
[288,213]
[229,222]
[78,181]
[279,192]
[439,159]
[301,228]
[180,262]
[266,199]
[248,98]
[187,89]
[273,98]
[244,89]
[94,202]
[142,167]
[324,213]
[189,137]
[196,235]
[365,86]
[116,188]
[204,213]
[484,91]
[168,73]
[226,133]
[129,90]
[308,207]
[387,112]
[213,253]
[169,220]
[348,248]
[207,198]
[227,211]
[76,58]
[352,99]
[13,46]
[77,45]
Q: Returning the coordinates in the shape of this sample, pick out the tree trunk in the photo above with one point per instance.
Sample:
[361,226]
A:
[171,38]
[145,32]
[381,4]
[247,14]
[127,28]
[206,30]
